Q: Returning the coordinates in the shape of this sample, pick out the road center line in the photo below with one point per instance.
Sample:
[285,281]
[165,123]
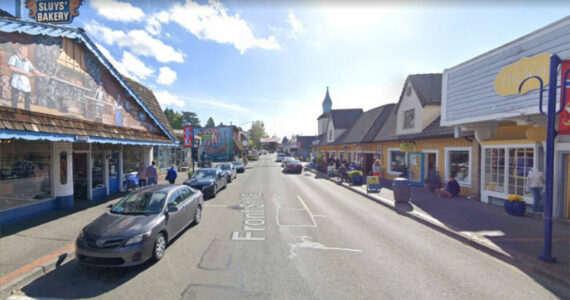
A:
[307,209]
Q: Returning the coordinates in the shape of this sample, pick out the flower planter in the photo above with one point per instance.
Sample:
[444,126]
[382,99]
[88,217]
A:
[357,180]
[515,208]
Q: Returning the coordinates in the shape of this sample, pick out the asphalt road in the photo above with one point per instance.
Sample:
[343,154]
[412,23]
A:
[275,235]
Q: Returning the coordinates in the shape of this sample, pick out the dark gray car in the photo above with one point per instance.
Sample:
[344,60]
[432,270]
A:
[229,170]
[139,226]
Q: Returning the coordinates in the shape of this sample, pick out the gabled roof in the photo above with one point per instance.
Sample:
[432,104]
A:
[434,130]
[147,96]
[5,14]
[11,25]
[368,122]
[426,86]
[388,130]
[345,118]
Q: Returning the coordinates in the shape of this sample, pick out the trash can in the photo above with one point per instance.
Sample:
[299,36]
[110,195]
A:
[401,190]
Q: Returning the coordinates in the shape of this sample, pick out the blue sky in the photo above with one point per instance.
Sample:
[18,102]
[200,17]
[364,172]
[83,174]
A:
[241,61]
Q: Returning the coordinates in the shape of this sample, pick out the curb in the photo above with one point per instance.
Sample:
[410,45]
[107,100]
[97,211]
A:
[461,237]
[36,271]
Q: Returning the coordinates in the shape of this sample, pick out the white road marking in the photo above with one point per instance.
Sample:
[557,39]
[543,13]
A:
[307,243]
[307,209]
[214,205]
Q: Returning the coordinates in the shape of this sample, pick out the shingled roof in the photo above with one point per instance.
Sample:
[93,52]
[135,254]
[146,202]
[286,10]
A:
[345,118]
[23,120]
[147,96]
[368,122]
[426,86]
[388,130]
[434,130]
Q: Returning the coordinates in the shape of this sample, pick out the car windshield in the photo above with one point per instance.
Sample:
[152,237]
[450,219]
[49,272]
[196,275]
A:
[294,162]
[237,163]
[204,174]
[225,167]
[140,203]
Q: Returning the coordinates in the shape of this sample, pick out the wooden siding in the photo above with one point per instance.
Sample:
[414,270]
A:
[471,84]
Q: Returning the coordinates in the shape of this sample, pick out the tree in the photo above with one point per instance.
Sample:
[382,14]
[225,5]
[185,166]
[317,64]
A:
[210,123]
[256,132]
[174,118]
[190,118]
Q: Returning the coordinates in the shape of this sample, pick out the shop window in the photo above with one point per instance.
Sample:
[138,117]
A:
[341,156]
[495,170]
[521,161]
[459,165]
[63,168]
[409,119]
[132,158]
[397,163]
[97,169]
[24,173]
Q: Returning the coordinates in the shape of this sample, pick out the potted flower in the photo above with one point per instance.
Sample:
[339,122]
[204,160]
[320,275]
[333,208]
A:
[515,205]
[433,182]
[355,176]
[190,173]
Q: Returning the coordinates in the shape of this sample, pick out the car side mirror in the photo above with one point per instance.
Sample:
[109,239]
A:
[172,209]
[110,205]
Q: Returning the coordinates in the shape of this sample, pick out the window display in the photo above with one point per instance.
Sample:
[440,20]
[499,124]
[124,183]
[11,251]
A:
[97,168]
[521,161]
[459,165]
[132,158]
[512,164]
[397,162]
[24,173]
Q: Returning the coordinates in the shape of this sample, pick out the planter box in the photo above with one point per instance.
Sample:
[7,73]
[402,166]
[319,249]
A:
[515,208]
[357,180]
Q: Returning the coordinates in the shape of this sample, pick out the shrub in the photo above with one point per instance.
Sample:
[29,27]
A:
[354,173]
[515,198]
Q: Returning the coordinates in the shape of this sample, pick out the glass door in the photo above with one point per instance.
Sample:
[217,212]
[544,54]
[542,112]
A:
[416,168]
[114,173]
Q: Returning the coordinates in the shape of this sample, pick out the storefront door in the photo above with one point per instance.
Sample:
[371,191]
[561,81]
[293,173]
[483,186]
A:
[79,176]
[416,168]
[114,179]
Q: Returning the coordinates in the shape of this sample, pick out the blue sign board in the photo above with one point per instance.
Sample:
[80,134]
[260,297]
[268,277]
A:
[53,11]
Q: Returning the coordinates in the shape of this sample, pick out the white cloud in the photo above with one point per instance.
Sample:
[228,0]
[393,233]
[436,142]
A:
[117,11]
[166,76]
[212,22]
[129,65]
[297,28]
[137,41]
[165,98]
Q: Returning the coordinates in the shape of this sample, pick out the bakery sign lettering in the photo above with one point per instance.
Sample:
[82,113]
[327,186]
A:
[53,11]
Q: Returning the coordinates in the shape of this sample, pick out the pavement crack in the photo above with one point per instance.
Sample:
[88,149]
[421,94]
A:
[43,238]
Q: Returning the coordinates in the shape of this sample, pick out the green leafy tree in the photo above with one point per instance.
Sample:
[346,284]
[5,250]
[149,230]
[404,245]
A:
[174,118]
[256,132]
[210,123]
[190,118]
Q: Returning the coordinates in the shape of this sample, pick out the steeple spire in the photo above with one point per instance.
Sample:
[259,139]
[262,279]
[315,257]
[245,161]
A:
[327,103]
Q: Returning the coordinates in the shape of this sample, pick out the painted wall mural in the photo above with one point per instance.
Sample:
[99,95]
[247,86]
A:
[60,77]
[217,143]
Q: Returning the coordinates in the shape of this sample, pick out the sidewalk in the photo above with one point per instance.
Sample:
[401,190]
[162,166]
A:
[516,240]
[31,248]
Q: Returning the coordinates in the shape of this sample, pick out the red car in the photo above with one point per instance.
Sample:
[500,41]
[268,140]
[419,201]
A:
[293,166]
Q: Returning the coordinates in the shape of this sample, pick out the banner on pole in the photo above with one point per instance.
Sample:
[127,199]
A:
[187,136]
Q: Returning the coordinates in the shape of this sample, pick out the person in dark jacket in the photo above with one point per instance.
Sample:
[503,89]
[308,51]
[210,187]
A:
[171,175]
[452,188]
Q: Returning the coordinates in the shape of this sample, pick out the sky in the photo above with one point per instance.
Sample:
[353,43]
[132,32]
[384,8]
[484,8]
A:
[247,60]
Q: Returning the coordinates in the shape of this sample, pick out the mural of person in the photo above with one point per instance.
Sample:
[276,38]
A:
[22,69]
[118,111]
[100,102]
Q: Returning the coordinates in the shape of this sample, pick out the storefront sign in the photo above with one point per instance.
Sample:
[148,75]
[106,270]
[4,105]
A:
[510,77]
[53,11]
[407,147]
[82,138]
[373,183]
[187,136]
[537,134]
[564,119]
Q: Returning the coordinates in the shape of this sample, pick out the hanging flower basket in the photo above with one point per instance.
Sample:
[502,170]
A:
[515,205]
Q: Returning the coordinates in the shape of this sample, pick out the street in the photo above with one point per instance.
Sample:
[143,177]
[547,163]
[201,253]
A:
[275,235]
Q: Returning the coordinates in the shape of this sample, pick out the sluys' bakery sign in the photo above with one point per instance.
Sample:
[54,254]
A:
[53,11]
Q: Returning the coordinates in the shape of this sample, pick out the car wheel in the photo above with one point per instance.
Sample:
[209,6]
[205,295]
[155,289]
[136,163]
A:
[229,179]
[198,215]
[215,191]
[159,246]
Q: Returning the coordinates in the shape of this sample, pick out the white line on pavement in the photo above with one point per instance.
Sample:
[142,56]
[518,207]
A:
[307,243]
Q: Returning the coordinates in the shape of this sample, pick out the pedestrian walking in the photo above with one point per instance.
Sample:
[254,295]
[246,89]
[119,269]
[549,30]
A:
[141,175]
[535,184]
[151,174]
[171,174]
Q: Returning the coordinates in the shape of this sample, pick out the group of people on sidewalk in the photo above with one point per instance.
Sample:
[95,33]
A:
[149,175]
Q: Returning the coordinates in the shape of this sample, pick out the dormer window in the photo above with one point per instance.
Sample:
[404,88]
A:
[330,134]
[409,118]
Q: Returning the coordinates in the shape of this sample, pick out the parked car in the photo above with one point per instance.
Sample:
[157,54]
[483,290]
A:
[139,226]
[239,166]
[210,181]
[280,158]
[293,166]
[286,159]
[228,170]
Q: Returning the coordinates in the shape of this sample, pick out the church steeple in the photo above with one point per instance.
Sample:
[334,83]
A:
[327,103]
